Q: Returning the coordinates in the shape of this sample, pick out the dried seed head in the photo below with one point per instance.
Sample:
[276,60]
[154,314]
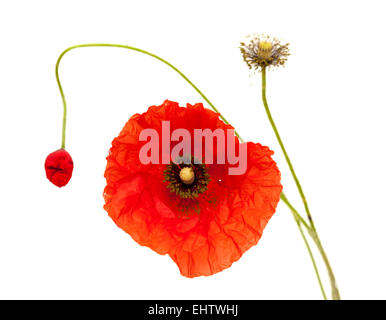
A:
[263,51]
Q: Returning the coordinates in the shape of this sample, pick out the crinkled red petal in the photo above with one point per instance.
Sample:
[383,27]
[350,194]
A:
[233,212]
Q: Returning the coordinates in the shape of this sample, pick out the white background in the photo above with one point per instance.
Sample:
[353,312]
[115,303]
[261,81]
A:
[329,104]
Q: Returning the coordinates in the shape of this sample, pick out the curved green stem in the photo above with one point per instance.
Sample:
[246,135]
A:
[334,287]
[283,148]
[312,230]
[299,222]
[124,47]
[298,217]
[311,256]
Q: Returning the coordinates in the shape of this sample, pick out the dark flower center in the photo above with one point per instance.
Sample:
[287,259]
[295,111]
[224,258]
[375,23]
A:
[187,180]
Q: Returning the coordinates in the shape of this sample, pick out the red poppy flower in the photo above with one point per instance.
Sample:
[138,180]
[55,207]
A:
[200,215]
[59,167]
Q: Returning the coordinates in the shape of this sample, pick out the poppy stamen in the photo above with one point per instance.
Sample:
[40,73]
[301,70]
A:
[187,181]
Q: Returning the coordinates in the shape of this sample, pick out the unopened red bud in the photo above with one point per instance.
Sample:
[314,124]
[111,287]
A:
[59,167]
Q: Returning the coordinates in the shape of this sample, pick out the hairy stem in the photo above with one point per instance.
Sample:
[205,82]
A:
[312,230]
[299,222]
